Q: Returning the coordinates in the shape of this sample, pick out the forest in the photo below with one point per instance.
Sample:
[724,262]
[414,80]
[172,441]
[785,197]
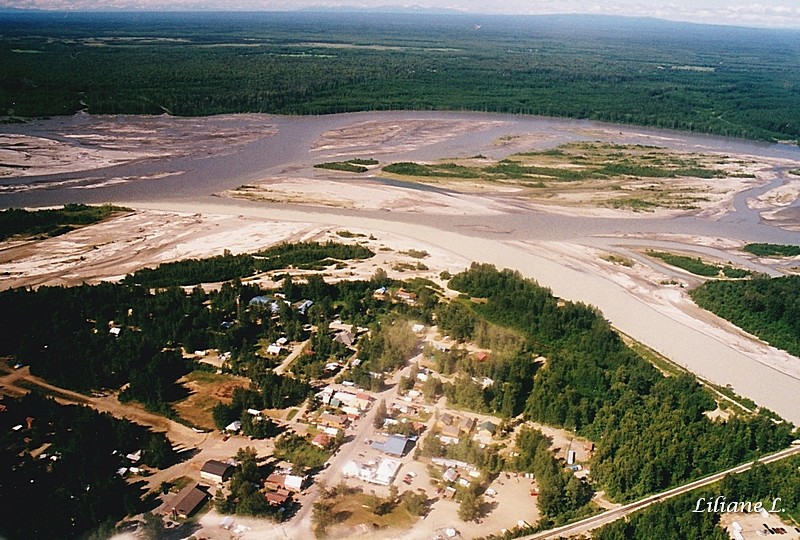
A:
[53,222]
[77,485]
[767,308]
[303,255]
[115,335]
[729,81]
[650,430]
[673,520]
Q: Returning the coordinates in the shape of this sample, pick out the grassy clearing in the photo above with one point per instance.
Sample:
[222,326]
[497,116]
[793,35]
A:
[353,510]
[206,390]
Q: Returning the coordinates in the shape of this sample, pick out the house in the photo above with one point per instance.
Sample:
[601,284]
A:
[418,328]
[289,482]
[345,338]
[304,305]
[384,474]
[408,297]
[332,420]
[379,294]
[450,475]
[186,502]
[277,498]
[215,471]
[446,419]
[487,427]
[395,445]
[466,424]
[234,426]
[321,440]
[282,341]
[362,401]
[451,431]
[482,356]
[274,349]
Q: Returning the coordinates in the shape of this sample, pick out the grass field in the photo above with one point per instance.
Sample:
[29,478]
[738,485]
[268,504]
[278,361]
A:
[351,511]
[206,390]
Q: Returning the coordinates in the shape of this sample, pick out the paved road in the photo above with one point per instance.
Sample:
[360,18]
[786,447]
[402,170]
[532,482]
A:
[300,524]
[594,522]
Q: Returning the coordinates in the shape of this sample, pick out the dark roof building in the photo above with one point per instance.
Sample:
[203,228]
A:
[186,502]
[216,471]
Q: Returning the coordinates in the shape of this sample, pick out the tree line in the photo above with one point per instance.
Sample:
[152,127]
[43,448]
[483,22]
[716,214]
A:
[651,431]
[736,83]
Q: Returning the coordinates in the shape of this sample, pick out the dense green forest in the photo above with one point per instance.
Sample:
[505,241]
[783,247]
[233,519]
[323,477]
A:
[45,223]
[304,255]
[674,520]
[724,80]
[767,308]
[669,520]
[108,335]
[76,485]
[651,431]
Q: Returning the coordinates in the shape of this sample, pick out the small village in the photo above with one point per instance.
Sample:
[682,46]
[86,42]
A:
[374,443]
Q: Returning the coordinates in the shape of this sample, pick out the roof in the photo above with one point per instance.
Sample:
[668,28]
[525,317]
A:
[294,482]
[278,479]
[187,500]
[215,467]
[491,427]
[276,498]
[321,439]
[344,337]
[395,445]
[450,475]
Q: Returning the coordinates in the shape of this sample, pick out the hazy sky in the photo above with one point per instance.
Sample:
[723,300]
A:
[771,13]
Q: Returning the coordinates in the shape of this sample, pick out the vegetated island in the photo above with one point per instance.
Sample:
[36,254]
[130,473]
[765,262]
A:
[630,177]
[695,265]
[772,250]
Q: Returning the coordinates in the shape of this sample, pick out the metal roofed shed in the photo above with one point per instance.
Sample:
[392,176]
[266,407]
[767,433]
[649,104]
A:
[395,445]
